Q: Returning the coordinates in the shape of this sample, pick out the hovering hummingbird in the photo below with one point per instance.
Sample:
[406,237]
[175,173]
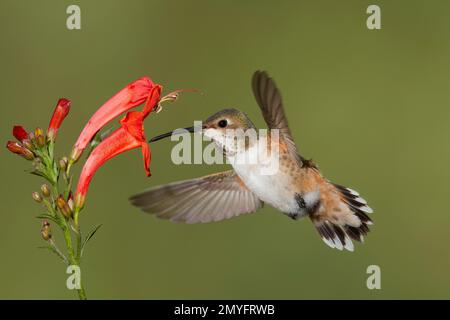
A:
[297,188]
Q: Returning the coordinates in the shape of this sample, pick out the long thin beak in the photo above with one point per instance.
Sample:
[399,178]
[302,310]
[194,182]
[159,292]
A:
[170,133]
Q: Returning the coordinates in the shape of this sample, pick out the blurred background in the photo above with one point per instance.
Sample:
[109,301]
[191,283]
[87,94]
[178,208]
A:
[371,107]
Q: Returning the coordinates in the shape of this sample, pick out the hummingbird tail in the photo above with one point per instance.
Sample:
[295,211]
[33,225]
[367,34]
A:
[343,218]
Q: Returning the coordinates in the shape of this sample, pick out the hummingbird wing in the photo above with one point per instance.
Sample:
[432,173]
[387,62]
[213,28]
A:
[269,100]
[206,199]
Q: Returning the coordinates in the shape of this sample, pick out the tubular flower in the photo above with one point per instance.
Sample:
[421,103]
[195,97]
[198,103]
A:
[61,110]
[20,133]
[129,97]
[129,136]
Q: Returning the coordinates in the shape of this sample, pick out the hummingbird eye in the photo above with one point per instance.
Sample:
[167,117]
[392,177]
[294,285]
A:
[223,123]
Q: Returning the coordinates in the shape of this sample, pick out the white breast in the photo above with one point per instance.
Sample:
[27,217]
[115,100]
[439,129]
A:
[264,178]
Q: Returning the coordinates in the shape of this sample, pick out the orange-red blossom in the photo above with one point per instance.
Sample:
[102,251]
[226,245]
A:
[129,135]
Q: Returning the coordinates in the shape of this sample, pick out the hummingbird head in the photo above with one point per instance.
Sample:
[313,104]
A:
[226,127]
[223,127]
[226,119]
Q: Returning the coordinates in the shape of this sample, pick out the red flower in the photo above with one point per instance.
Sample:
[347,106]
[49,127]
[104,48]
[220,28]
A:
[129,97]
[61,110]
[130,135]
[20,133]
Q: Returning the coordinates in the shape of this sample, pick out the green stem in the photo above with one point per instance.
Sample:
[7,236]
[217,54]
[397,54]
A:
[78,233]
[52,173]
[82,293]
[68,181]
[69,167]
[68,240]
[73,258]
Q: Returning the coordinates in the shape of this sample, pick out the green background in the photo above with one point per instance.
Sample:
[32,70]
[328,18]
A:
[370,107]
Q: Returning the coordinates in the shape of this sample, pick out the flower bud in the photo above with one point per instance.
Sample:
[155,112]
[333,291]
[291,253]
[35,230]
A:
[70,201]
[45,190]
[75,155]
[63,163]
[19,149]
[61,110]
[45,230]
[37,197]
[20,133]
[39,137]
[63,207]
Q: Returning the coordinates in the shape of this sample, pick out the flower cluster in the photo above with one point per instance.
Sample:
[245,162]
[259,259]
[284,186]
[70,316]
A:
[62,204]
[37,145]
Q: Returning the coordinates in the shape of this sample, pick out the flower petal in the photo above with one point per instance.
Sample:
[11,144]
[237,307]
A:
[146,154]
[133,122]
[152,100]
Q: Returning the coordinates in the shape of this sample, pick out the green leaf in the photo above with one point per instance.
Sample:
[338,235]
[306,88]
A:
[89,237]
[37,173]
[42,174]
[47,216]
[55,219]
[99,137]
[52,249]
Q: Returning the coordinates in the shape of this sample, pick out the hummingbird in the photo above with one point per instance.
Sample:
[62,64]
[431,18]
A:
[297,188]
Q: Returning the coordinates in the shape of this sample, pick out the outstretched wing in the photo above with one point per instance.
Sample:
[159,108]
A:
[211,198]
[269,100]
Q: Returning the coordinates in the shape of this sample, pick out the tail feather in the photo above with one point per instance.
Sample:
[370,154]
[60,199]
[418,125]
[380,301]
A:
[342,218]
[353,199]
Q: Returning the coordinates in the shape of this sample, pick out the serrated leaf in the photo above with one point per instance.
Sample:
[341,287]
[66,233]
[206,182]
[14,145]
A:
[89,237]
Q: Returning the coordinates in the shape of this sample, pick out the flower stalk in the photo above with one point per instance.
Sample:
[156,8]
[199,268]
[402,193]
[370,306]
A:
[38,147]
